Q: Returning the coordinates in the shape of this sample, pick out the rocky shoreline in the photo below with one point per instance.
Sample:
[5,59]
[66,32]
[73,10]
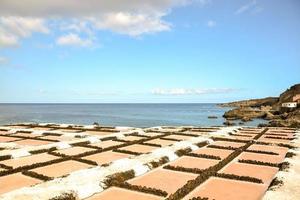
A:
[269,108]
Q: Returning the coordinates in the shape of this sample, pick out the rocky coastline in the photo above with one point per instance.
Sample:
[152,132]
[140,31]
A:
[269,108]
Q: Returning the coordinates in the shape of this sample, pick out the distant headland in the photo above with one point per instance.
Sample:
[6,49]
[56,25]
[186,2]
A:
[280,111]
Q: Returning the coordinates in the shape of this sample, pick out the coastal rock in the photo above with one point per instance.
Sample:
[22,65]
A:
[268,115]
[212,117]
[269,108]
[246,119]
[229,123]
[244,113]
[269,101]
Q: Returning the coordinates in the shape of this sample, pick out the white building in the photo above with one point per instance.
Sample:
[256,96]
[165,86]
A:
[289,105]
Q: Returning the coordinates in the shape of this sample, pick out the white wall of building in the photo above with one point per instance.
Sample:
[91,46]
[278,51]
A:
[289,105]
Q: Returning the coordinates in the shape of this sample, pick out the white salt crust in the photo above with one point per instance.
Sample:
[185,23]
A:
[14,151]
[85,183]
[20,153]
[290,188]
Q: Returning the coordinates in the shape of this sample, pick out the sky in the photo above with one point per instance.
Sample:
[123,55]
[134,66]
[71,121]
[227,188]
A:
[150,51]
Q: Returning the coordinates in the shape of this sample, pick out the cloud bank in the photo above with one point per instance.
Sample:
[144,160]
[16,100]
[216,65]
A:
[20,19]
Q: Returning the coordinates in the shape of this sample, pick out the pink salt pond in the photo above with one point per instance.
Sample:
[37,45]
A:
[193,162]
[115,193]
[265,173]
[139,148]
[25,134]
[8,139]
[178,137]
[28,160]
[261,157]
[61,169]
[3,132]
[32,142]
[222,153]
[270,148]
[272,140]
[228,144]
[16,181]
[132,138]
[74,151]
[58,138]
[226,189]
[161,142]
[166,180]
[106,157]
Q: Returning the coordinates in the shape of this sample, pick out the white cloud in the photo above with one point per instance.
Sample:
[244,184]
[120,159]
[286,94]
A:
[72,39]
[211,23]
[130,17]
[85,8]
[13,28]
[183,91]
[132,24]
[251,6]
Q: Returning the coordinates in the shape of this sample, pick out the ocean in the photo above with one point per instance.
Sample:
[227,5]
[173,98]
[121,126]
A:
[137,115]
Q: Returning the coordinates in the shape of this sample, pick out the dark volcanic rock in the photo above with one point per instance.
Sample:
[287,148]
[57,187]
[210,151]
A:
[212,117]
[229,123]
[267,108]
[244,113]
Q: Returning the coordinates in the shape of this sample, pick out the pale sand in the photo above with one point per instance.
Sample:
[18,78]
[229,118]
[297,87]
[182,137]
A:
[115,193]
[15,181]
[222,153]
[266,173]
[28,160]
[192,162]
[61,169]
[226,189]
[163,179]
[106,157]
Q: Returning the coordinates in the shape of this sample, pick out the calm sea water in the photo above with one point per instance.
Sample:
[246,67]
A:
[138,115]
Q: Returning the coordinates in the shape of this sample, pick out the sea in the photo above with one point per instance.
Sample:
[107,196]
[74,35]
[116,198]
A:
[135,115]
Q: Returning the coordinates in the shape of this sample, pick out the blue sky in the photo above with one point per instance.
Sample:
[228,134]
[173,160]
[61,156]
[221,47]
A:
[154,51]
